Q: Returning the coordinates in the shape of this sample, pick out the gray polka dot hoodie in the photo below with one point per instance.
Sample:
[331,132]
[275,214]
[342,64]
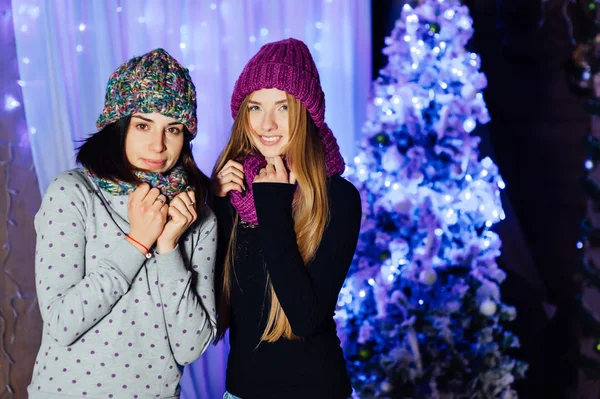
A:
[116,325]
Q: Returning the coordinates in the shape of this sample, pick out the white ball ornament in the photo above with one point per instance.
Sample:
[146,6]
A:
[488,307]
[468,92]
[392,159]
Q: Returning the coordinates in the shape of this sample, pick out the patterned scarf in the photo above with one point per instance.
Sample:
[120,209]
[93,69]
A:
[169,185]
[244,203]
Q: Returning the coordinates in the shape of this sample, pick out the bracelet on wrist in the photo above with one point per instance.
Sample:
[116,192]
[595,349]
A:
[148,255]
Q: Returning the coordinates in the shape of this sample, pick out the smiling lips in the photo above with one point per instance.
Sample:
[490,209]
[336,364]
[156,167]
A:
[270,140]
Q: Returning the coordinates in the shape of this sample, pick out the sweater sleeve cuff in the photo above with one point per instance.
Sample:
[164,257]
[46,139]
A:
[273,201]
[127,259]
[171,266]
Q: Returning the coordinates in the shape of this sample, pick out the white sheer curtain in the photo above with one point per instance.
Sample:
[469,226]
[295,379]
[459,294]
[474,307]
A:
[68,48]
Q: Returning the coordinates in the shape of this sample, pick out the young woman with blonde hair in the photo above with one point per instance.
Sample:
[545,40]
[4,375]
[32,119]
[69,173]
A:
[288,227]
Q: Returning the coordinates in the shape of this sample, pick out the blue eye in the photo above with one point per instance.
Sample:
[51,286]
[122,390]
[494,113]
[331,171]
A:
[253,108]
[284,107]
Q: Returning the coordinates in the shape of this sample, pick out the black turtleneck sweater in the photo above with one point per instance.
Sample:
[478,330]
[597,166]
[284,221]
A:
[313,366]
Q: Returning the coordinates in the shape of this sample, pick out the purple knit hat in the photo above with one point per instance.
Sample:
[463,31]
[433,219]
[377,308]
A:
[286,65]
[153,82]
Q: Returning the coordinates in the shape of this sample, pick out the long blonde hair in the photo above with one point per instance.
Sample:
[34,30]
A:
[306,159]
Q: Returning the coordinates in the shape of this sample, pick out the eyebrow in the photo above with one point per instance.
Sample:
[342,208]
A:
[151,121]
[276,103]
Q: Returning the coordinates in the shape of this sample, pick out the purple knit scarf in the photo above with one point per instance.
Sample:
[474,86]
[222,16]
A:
[244,203]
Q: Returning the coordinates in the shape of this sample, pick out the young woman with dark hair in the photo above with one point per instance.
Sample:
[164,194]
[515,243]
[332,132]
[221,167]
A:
[126,247]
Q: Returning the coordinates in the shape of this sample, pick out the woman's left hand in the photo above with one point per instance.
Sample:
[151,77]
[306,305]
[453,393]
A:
[275,172]
[182,211]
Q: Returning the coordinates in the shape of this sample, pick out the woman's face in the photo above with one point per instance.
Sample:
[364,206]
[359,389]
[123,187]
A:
[268,115]
[154,142]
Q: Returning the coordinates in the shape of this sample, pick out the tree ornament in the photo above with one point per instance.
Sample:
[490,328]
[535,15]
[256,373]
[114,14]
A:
[386,387]
[365,354]
[392,160]
[381,140]
[434,27]
[488,307]
[581,67]
[384,255]
[428,276]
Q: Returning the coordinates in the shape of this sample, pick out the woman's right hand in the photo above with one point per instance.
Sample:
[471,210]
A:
[147,211]
[231,177]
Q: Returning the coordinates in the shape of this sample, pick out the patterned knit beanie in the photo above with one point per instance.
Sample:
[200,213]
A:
[153,82]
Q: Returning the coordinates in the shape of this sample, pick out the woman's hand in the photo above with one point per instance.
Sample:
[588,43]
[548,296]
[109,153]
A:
[182,211]
[147,211]
[275,172]
[231,177]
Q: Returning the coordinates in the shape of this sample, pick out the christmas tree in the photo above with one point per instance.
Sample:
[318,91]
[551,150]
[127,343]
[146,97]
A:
[420,314]
[588,272]
[584,65]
